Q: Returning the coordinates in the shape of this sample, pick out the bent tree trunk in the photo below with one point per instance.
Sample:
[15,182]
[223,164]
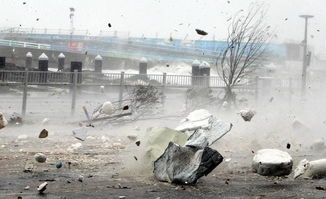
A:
[230,96]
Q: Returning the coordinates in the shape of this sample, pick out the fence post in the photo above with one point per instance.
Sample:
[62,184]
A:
[61,61]
[122,80]
[43,66]
[98,64]
[205,71]
[74,92]
[195,72]
[28,61]
[163,89]
[256,89]
[25,93]
[143,66]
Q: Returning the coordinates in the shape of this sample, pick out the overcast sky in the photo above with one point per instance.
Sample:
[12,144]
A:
[163,17]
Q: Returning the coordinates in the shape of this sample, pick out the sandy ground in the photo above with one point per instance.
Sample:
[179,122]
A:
[111,171]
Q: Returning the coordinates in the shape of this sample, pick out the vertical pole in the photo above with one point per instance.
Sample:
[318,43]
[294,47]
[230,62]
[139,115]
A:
[25,93]
[304,67]
[122,77]
[163,89]
[74,92]
[256,89]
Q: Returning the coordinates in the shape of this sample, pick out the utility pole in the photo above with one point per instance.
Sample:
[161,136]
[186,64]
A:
[305,55]
[71,16]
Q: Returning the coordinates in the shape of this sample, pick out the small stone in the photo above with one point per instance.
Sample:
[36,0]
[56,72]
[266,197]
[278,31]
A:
[81,178]
[59,165]
[27,188]
[40,157]
[247,115]
[42,187]
[122,197]
[44,133]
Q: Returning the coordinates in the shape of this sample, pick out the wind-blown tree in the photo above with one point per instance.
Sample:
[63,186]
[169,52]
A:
[248,36]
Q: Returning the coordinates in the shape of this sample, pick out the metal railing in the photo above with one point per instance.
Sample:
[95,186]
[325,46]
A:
[23,44]
[113,79]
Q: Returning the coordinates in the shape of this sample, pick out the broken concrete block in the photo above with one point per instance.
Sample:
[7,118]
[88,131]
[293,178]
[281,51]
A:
[40,157]
[247,115]
[202,138]
[185,165]
[80,133]
[42,187]
[157,139]
[272,162]
[43,134]
[3,121]
[195,120]
[311,169]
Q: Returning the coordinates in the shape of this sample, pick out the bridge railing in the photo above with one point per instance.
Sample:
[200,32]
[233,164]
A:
[24,44]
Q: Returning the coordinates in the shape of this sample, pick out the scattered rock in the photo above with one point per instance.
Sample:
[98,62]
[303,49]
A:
[132,137]
[272,162]
[288,145]
[80,178]
[42,187]
[3,121]
[185,165]
[16,118]
[138,143]
[122,197]
[311,169]
[247,115]
[321,188]
[45,121]
[43,134]
[40,157]
[59,165]
[80,133]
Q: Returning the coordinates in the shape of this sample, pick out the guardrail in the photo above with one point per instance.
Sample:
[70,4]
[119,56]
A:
[23,44]
[109,79]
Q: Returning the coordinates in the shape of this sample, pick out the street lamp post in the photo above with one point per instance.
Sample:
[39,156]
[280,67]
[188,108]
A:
[305,60]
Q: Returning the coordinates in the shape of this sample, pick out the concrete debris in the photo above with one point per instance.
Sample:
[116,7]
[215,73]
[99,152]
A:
[195,120]
[202,138]
[45,121]
[80,133]
[16,118]
[3,121]
[247,115]
[42,187]
[272,162]
[158,138]
[40,157]
[311,169]
[185,165]
[132,137]
[43,134]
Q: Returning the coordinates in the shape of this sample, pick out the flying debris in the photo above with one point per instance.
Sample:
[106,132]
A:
[37,19]
[201,32]
[109,24]
[285,19]
[24,3]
